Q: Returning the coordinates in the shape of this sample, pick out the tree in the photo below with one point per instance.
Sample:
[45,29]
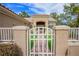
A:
[24,14]
[58,17]
[76,13]
[55,16]
[67,13]
[72,11]
[70,16]
[62,19]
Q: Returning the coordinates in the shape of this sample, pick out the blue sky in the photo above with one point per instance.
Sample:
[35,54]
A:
[35,8]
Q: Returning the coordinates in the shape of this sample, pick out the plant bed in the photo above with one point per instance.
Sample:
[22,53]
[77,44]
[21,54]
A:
[10,50]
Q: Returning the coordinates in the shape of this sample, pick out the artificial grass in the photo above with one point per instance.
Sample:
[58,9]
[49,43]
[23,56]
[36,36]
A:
[50,42]
[49,39]
[31,44]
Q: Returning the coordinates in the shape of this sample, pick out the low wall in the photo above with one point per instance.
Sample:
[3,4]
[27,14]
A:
[61,38]
[20,38]
[73,49]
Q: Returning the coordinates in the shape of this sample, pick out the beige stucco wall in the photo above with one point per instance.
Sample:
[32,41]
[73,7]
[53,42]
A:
[7,21]
[20,38]
[61,40]
[42,18]
[73,51]
[34,20]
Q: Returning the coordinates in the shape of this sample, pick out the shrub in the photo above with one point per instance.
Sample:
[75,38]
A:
[10,50]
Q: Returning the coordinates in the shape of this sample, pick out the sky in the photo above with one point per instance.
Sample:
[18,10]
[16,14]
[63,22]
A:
[35,8]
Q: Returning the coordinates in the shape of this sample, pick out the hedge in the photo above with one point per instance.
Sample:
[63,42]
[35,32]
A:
[10,50]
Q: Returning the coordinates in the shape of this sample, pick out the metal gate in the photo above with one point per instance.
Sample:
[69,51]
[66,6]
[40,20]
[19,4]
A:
[41,42]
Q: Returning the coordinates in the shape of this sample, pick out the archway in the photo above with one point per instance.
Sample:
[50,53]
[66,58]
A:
[40,24]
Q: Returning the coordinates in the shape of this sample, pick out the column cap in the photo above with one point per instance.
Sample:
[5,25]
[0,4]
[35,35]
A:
[20,27]
[61,27]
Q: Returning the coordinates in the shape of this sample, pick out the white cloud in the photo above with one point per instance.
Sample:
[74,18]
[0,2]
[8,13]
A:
[40,8]
[39,12]
[50,7]
[47,7]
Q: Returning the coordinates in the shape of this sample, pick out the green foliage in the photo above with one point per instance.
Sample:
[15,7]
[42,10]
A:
[58,17]
[72,23]
[24,14]
[10,50]
[70,16]
[72,10]
[54,15]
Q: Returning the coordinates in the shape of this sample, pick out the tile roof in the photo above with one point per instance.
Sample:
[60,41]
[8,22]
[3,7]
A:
[7,8]
[14,14]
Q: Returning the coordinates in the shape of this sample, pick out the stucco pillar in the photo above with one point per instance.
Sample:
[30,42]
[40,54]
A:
[34,24]
[61,37]
[20,37]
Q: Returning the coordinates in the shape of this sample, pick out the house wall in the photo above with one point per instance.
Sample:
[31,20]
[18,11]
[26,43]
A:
[7,21]
[73,51]
[34,20]
[43,18]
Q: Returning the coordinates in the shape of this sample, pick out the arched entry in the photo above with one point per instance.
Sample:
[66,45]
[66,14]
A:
[41,41]
[40,24]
